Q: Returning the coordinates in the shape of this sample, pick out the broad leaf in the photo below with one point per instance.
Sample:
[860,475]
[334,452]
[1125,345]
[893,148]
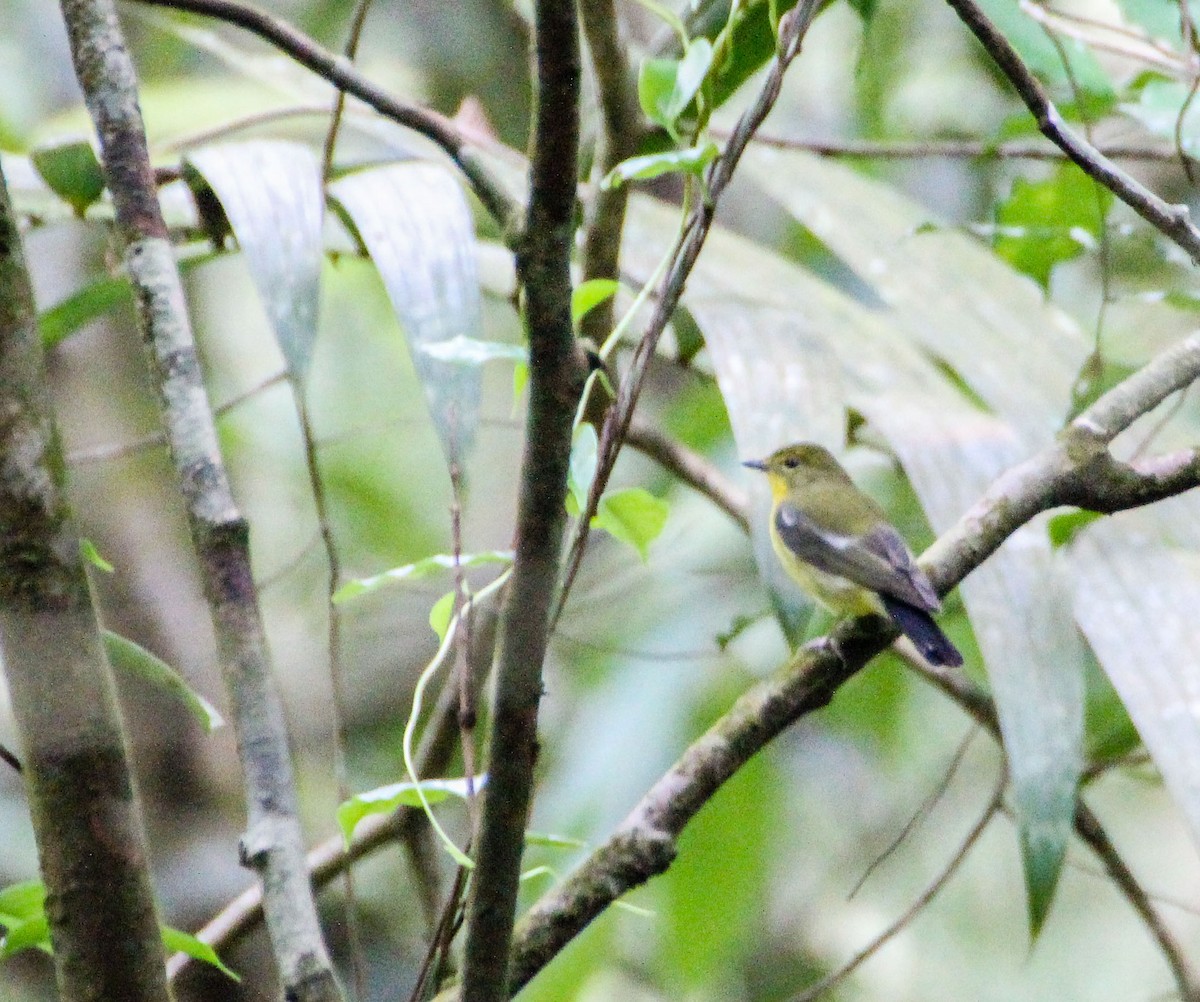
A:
[667,86]
[271,194]
[692,160]
[72,171]
[178,941]
[414,222]
[634,516]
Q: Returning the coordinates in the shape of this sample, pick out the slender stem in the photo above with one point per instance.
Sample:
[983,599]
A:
[557,370]
[361,7]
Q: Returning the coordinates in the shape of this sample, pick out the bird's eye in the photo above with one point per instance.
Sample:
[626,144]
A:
[791,462]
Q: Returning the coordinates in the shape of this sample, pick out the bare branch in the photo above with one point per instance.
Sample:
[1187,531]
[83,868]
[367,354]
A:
[690,467]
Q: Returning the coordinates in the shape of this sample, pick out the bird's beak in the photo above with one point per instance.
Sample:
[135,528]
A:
[756,464]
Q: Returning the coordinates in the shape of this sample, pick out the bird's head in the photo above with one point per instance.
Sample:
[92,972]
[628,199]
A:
[798,466]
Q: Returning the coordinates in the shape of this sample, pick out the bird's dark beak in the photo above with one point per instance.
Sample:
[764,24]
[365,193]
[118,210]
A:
[756,464]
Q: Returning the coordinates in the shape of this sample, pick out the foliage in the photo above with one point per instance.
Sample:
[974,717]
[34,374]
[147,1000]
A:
[937,323]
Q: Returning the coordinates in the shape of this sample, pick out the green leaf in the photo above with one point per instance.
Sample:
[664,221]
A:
[385,799]
[667,86]
[1042,852]
[1158,107]
[586,296]
[441,614]
[1158,19]
[582,470]
[77,310]
[177,941]
[520,380]
[421,569]
[1045,222]
[1063,528]
[33,933]
[137,662]
[634,516]
[272,194]
[22,901]
[72,171]
[462,350]
[693,160]
[87,550]
[415,224]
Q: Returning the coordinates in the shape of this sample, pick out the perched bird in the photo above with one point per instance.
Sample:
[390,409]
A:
[837,544]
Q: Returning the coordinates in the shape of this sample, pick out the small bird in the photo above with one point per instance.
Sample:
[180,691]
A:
[837,544]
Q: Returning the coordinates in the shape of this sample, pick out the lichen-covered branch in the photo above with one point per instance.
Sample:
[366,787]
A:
[556,374]
[645,843]
[91,846]
[272,844]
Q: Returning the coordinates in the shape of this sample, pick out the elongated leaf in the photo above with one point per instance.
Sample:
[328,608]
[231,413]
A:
[692,160]
[88,304]
[385,799]
[1137,591]
[178,941]
[271,194]
[414,222]
[131,658]
[421,569]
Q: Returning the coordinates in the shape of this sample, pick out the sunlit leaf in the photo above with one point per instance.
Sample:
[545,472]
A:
[1049,221]
[386,799]
[415,224]
[1063,528]
[421,569]
[21,901]
[271,193]
[692,160]
[586,296]
[634,516]
[667,86]
[178,941]
[138,663]
[441,614]
[87,550]
[33,933]
[582,469]
[72,171]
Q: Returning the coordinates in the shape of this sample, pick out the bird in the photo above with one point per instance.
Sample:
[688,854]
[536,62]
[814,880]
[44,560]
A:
[836,543]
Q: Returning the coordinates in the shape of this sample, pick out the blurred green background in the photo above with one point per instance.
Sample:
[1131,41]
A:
[757,905]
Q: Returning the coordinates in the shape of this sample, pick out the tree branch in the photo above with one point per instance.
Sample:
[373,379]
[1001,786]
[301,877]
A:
[273,844]
[339,72]
[645,843]
[556,376]
[1173,221]
[91,844]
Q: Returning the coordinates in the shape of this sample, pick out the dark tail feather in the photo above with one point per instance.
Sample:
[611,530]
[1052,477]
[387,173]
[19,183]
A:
[919,627]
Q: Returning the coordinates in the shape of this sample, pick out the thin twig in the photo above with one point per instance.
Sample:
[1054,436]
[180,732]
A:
[792,28]
[965,149]
[1174,221]
[339,105]
[690,467]
[835,978]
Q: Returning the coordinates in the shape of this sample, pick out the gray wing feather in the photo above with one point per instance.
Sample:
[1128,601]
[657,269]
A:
[879,560]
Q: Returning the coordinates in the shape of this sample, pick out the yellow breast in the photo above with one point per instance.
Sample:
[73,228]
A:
[839,595]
